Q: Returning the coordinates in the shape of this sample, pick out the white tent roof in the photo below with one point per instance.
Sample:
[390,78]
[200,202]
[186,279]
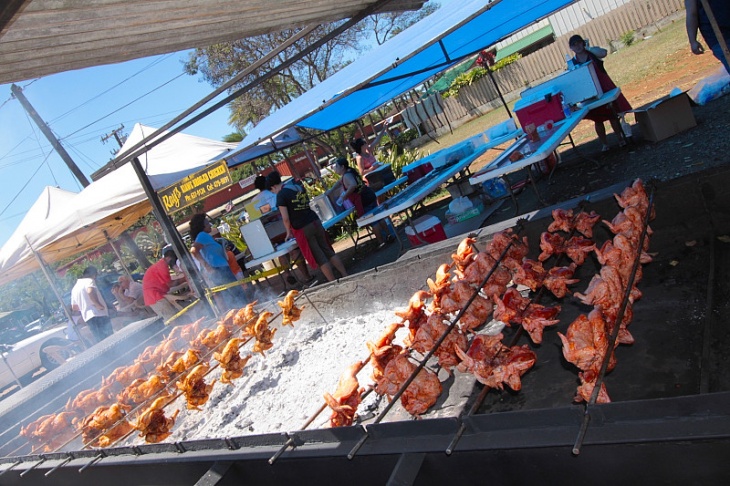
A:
[62,224]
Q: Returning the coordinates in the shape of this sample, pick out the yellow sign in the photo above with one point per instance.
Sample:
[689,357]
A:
[195,187]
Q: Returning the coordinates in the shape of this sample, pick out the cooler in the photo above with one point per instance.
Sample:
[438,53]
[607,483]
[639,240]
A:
[428,228]
[416,170]
[539,108]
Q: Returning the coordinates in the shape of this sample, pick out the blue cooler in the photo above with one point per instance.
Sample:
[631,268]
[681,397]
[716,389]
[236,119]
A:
[495,188]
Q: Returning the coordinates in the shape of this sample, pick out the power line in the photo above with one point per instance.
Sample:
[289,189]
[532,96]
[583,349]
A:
[24,186]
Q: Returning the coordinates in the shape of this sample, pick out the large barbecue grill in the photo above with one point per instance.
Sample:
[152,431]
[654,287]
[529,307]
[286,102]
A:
[668,421]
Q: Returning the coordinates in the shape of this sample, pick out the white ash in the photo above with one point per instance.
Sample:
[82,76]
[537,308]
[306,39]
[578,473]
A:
[280,392]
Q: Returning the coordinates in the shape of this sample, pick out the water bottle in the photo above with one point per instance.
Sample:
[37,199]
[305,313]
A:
[569,62]
[566,109]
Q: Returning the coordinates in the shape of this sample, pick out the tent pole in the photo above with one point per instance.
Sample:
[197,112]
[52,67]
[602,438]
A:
[119,256]
[49,277]
[499,92]
[194,277]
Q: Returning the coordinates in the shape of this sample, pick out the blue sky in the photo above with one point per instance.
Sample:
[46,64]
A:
[82,106]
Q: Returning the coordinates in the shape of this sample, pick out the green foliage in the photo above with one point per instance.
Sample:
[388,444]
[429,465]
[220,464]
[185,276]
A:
[398,161]
[234,235]
[476,73]
[627,38]
[402,139]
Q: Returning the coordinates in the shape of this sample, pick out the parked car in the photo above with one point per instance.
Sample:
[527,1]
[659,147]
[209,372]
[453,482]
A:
[22,354]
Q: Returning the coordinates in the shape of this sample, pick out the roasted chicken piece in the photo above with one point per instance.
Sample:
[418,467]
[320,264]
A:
[420,395]
[415,309]
[510,307]
[562,221]
[464,253]
[481,265]
[124,375]
[141,390]
[430,332]
[604,290]
[586,341]
[558,279]
[231,361]
[383,350]
[478,311]
[577,248]
[517,251]
[628,221]
[186,361]
[584,223]
[87,401]
[347,397]
[105,426]
[587,384]
[183,335]
[289,310]
[551,244]
[245,315]
[227,320]
[152,424]
[194,387]
[263,334]
[635,196]
[440,285]
[536,318]
[212,339]
[165,369]
[530,274]
[493,364]
[50,432]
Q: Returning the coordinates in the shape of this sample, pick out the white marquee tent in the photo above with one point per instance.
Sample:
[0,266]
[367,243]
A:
[62,224]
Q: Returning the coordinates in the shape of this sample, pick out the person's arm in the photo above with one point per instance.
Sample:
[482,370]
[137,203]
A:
[285,219]
[94,297]
[376,141]
[195,252]
[692,24]
[599,52]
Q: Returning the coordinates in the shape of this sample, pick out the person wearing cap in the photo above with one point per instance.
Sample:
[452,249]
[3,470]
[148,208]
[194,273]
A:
[86,299]
[359,195]
[304,225]
[213,260]
[364,157]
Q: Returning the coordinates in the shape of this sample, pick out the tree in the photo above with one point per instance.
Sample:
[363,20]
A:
[389,24]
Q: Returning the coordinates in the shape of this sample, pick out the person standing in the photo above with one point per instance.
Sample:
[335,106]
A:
[364,156]
[611,111]
[214,261]
[156,285]
[697,19]
[360,196]
[86,298]
[305,226]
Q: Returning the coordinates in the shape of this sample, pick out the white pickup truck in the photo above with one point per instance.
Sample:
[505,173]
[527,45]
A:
[48,349]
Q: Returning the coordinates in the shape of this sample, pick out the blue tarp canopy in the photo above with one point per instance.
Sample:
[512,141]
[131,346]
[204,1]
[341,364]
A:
[426,48]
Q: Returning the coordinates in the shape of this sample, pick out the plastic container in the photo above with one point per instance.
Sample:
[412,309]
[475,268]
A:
[548,107]
[463,216]
[495,188]
[428,228]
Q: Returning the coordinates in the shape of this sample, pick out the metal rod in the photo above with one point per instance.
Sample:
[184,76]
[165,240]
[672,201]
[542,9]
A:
[431,352]
[13,465]
[96,459]
[614,332]
[43,459]
[58,466]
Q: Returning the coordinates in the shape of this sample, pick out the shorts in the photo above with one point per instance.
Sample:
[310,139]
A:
[319,243]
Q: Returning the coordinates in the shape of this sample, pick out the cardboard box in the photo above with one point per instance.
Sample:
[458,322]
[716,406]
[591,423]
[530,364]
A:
[665,117]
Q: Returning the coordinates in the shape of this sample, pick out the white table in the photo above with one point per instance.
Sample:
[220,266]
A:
[419,190]
[535,152]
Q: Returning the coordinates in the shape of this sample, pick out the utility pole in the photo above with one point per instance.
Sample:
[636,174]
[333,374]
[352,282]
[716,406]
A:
[18,93]
[114,133]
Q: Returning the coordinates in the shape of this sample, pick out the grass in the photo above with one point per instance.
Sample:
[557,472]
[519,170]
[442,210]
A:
[631,67]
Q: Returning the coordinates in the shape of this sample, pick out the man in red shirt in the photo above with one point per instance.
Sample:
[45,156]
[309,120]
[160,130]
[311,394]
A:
[156,284]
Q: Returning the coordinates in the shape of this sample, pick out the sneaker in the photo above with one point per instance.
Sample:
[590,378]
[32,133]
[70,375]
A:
[605,148]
